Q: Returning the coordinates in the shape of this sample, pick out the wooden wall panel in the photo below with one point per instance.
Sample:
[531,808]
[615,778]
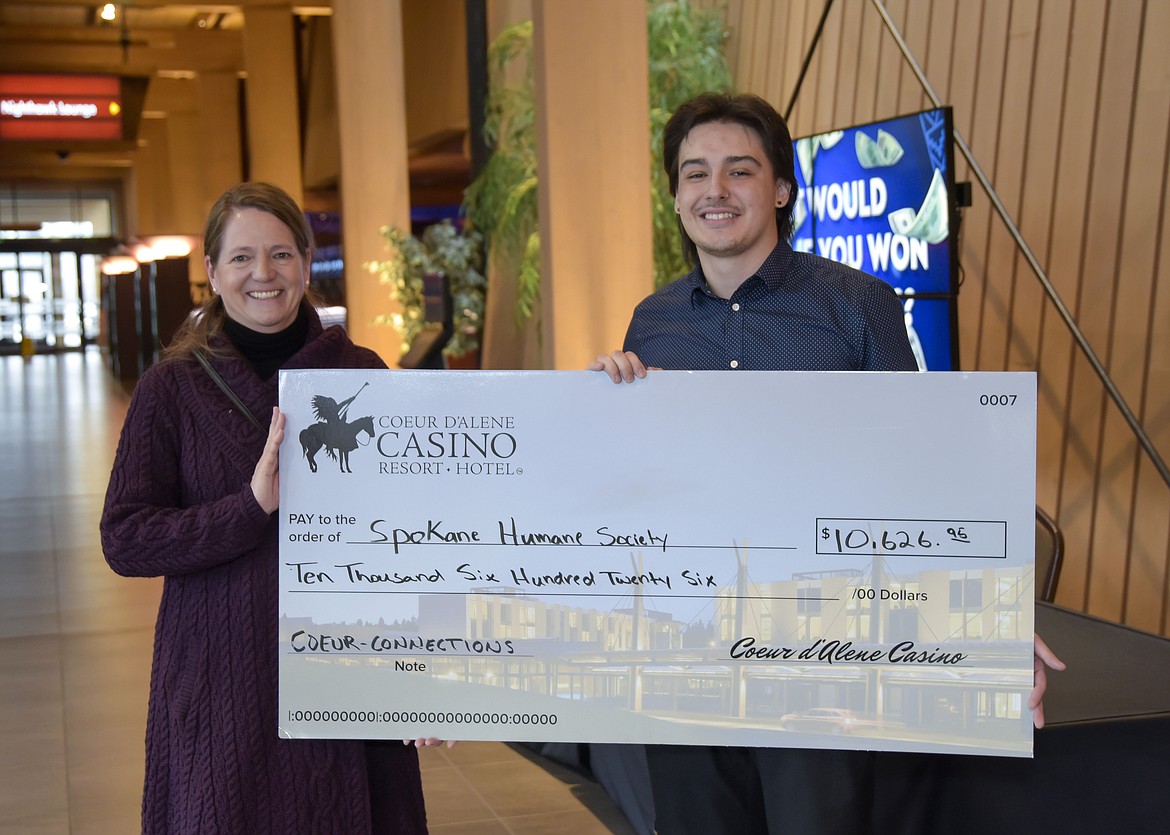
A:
[1145,179]
[1011,172]
[793,41]
[915,28]
[1045,100]
[1070,208]
[940,45]
[982,137]
[827,60]
[1038,223]
[1065,107]
[1089,478]
[762,55]
[861,36]
[733,18]
[1152,513]
[890,63]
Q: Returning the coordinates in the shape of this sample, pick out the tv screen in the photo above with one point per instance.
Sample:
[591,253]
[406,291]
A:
[879,197]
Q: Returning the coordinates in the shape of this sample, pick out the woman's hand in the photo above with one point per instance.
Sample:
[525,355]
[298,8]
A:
[265,478]
[426,741]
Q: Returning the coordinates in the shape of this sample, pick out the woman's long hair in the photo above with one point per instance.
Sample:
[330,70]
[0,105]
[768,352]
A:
[201,328]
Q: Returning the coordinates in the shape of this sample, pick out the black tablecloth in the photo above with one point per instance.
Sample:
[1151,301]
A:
[1102,765]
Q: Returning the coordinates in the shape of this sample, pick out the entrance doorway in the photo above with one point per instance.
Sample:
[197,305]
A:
[52,239]
[50,298]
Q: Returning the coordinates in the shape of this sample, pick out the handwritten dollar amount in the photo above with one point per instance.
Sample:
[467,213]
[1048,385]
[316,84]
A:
[913,537]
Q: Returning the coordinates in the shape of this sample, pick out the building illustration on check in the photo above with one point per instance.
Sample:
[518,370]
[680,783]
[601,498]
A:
[861,652]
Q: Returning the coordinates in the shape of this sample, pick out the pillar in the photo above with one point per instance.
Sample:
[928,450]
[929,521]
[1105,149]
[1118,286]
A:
[219,134]
[375,185]
[593,152]
[273,108]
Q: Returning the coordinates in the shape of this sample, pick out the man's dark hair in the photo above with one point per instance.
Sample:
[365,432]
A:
[751,112]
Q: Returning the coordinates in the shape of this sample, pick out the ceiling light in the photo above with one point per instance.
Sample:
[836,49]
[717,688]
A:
[118,265]
[108,13]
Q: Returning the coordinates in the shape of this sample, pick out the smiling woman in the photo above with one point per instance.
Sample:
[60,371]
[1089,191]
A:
[181,505]
[259,271]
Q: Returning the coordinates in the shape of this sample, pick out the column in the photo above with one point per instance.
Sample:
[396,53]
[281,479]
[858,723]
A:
[593,151]
[375,185]
[274,132]
[219,134]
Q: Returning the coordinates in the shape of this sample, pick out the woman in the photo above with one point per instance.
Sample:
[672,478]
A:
[191,498]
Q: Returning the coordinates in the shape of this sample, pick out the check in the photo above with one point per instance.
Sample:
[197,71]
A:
[790,559]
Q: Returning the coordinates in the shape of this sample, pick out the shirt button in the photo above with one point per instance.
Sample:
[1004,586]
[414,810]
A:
[735,306]
[735,363]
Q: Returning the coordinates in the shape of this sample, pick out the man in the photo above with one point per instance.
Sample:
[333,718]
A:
[752,303]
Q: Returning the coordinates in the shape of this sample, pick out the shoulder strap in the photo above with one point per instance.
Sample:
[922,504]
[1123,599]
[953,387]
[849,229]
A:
[226,389]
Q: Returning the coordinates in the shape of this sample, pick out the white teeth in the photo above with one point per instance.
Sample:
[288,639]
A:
[719,216]
[265,294]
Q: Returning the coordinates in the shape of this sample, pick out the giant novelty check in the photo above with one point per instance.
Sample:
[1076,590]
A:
[837,560]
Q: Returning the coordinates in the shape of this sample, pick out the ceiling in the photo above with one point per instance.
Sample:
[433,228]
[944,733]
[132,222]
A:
[171,44]
[165,42]
[59,14]
[147,36]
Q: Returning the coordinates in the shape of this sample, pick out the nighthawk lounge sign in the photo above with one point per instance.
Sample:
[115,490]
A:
[60,107]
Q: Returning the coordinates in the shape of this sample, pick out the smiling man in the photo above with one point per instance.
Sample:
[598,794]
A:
[752,303]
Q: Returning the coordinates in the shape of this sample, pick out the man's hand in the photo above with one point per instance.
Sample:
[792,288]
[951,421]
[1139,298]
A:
[620,365]
[265,478]
[1043,657]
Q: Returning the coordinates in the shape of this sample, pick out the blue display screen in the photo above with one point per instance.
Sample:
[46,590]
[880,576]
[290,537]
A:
[878,197]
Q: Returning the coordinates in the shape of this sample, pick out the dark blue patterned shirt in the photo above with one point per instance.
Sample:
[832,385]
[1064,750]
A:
[799,312]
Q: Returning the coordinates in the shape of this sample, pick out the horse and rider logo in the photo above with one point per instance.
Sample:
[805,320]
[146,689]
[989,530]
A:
[333,432]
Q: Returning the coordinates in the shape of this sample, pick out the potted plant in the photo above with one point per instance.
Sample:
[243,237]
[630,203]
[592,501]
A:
[444,250]
[686,58]
[502,200]
[685,46]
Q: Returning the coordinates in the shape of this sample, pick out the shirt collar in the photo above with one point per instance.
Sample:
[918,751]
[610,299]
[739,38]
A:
[771,272]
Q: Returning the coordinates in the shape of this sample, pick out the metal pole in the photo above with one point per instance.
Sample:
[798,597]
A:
[812,47]
[1074,329]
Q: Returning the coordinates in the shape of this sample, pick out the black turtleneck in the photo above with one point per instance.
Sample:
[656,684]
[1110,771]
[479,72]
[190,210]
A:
[267,352]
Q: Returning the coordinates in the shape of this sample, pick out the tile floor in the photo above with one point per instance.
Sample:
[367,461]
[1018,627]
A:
[75,643]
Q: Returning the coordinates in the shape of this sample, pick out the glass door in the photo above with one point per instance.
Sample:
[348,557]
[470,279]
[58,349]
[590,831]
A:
[49,298]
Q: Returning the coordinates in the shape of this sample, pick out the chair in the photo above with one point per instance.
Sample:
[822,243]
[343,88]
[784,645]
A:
[1049,554]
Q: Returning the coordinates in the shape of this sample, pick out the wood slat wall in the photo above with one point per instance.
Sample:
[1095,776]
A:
[1066,107]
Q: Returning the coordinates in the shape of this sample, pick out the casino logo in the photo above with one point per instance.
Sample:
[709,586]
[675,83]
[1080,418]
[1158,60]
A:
[333,433]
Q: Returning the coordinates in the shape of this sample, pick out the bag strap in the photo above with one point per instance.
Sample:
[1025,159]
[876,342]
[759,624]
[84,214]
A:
[226,389]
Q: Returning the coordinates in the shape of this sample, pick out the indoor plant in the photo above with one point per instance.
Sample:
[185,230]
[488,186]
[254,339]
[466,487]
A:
[445,250]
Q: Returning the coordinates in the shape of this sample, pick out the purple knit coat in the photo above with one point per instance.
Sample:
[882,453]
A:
[180,505]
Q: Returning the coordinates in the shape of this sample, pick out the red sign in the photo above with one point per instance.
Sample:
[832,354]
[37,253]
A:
[82,108]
